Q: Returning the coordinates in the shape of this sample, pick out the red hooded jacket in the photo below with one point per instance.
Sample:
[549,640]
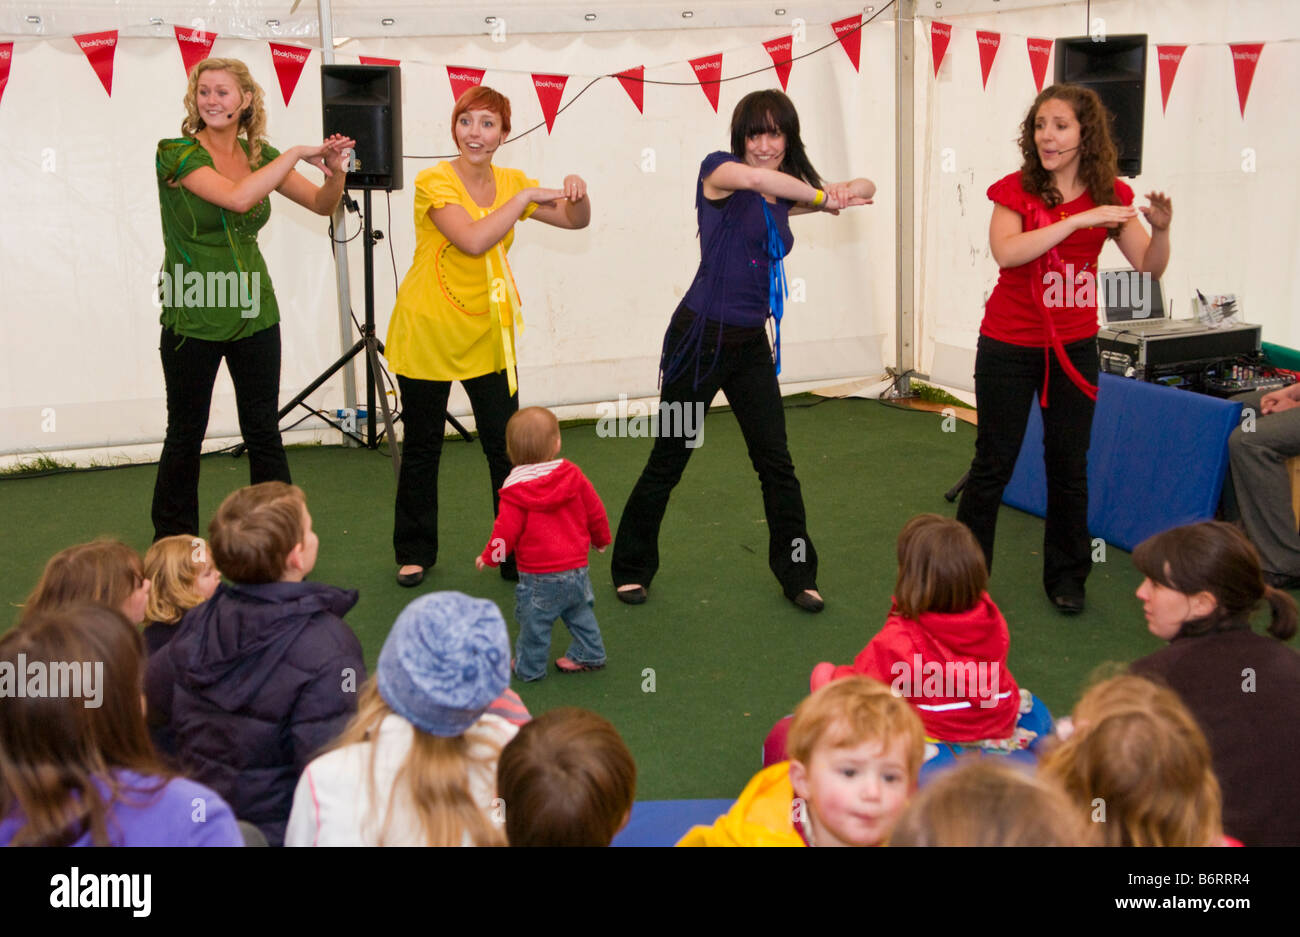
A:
[550,517]
[952,668]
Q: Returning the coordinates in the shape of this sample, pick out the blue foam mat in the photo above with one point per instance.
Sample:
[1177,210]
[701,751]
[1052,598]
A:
[1157,459]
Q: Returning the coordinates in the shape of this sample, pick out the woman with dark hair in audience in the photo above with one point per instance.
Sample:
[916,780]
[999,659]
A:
[1203,582]
[76,764]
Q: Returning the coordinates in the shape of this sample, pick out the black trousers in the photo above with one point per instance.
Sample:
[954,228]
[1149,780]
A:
[424,417]
[190,370]
[748,377]
[1006,379]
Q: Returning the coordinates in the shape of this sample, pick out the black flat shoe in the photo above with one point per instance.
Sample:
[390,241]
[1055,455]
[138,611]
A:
[635,596]
[409,580]
[1068,604]
[807,601]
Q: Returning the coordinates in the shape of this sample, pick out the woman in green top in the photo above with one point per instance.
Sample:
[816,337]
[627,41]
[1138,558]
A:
[214,186]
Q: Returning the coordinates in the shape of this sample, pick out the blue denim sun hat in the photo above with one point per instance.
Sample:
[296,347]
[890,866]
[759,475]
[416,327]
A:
[445,661]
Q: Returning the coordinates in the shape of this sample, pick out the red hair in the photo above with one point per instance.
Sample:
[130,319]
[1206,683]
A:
[482,98]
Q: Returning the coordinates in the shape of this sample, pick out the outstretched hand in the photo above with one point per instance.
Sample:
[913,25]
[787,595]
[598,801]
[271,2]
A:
[543,196]
[1105,216]
[575,188]
[1160,212]
[329,156]
[841,195]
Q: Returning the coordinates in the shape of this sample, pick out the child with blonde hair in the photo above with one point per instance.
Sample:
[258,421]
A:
[855,756]
[991,802]
[183,575]
[549,519]
[104,571]
[264,675]
[1138,766]
[418,764]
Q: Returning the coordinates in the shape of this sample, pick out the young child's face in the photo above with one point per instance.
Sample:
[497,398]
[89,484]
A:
[310,543]
[136,603]
[208,580]
[854,793]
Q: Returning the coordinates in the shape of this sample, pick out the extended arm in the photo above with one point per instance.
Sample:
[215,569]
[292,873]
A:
[211,186]
[505,535]
[732,177]
[324,198]
[478,237]
[841,194]
[1013,246]
[573,211]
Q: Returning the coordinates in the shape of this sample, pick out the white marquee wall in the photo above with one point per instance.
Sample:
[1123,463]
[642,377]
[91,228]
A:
[80,239]
[1234,230]
[81,244]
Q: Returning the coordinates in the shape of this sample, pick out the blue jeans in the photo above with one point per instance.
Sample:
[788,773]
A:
[540,598]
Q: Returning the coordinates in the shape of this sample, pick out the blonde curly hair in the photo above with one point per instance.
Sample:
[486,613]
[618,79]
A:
[252,120]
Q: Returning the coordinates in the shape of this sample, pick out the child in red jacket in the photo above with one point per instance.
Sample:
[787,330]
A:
[944,645]
[550,516]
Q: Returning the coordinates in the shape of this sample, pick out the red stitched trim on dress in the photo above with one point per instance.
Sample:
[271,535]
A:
[445,287]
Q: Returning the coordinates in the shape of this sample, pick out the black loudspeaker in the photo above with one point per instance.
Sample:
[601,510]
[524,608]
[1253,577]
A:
[365,102]
[1115,68]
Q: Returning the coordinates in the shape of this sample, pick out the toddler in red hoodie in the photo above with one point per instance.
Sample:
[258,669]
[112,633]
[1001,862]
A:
[944,645]
[550,516]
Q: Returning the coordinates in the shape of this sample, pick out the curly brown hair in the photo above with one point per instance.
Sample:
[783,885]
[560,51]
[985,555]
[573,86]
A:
[252,119]
[1098,157]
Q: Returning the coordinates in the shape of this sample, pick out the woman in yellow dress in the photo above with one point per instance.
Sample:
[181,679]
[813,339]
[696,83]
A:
[457,312]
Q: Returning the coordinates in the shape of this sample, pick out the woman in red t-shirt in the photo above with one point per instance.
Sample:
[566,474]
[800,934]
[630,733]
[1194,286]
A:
[1039,333]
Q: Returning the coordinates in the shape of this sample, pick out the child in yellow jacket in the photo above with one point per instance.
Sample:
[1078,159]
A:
[855,755]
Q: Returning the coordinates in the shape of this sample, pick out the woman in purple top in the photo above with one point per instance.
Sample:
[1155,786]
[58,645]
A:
[76,764]
[718,340]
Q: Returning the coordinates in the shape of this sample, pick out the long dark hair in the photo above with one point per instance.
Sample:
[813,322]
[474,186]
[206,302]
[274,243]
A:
[1217,558]
[769,112]
[1098,158]
[59,755]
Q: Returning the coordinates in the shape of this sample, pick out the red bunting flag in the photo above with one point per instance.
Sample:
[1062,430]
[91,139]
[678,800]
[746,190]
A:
[1245,56]
[988,43]
[779,49]
[849,32]
[196,45]
[550,89]
[376,60]
[940,34]
[1040,50]
[288,62]
[6,59]
[1169,58]
[462,79]
[99,49]
[633,82]
[708,72]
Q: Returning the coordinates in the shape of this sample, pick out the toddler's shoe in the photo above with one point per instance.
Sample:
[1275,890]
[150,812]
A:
[565,665]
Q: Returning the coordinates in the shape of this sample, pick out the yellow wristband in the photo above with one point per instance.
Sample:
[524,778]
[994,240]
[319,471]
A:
[819,199]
